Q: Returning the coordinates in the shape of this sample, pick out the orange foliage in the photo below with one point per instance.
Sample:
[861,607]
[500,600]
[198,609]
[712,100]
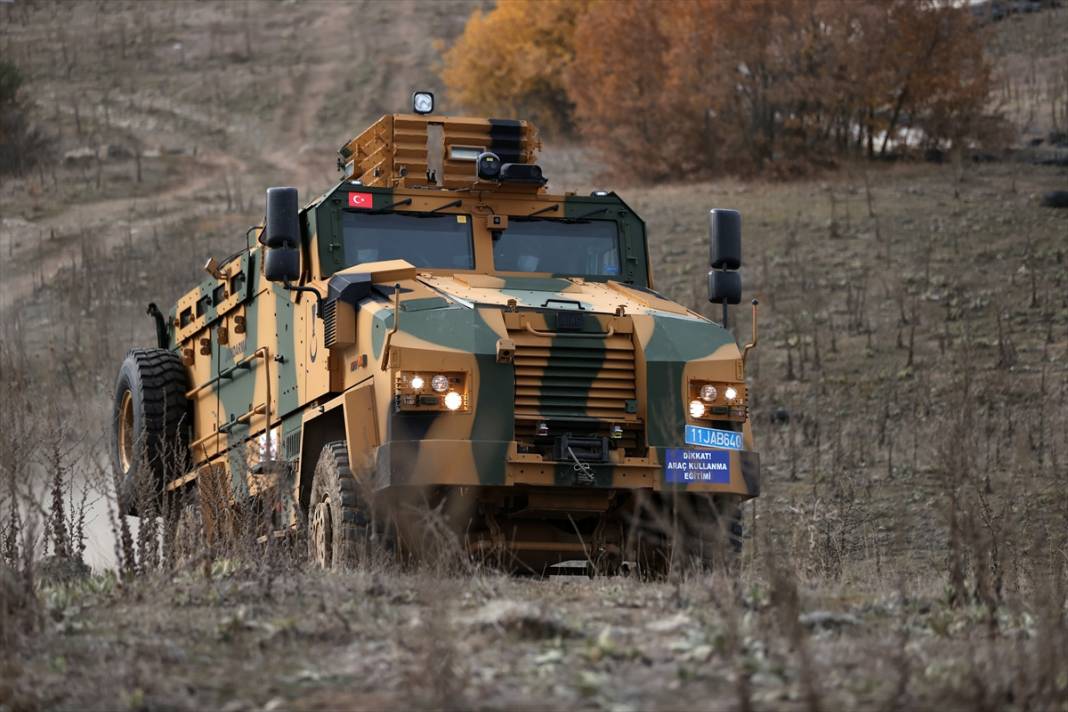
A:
[694,87]
[511,61]
[617,84]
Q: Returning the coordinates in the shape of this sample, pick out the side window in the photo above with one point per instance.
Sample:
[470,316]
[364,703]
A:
[237,283]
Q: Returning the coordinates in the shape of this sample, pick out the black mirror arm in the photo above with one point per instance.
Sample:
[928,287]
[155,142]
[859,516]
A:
[310,290]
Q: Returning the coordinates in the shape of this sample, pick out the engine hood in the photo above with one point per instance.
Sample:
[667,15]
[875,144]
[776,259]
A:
[473,290]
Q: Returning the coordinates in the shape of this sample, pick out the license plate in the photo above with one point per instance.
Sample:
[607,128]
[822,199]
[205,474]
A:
[686,465]
[711,437]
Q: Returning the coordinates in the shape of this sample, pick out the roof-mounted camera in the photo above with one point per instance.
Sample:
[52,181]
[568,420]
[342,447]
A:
[488,166]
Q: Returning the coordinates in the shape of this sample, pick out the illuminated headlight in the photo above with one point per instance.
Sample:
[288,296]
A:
[422,102]
[446,391]
[720,400]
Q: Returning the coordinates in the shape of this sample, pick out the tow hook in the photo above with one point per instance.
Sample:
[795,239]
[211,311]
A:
[583,472]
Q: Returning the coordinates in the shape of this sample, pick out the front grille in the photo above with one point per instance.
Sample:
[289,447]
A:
[575,378]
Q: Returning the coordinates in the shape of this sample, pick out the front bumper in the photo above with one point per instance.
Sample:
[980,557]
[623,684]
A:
[497,463]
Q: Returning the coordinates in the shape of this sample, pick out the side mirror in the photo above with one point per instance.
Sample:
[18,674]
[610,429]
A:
[282,236]
[724,256]
[282,264]
[725,239]
[724,287]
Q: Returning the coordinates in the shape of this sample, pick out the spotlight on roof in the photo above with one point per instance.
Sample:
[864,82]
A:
[423,102]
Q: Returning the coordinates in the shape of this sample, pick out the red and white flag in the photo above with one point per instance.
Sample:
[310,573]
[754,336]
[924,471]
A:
[360,200]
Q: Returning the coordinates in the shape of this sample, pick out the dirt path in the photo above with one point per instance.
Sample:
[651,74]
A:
[297,117]
[110,221]
[380,43]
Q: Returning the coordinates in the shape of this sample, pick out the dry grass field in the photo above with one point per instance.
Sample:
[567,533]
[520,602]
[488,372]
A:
[910,404]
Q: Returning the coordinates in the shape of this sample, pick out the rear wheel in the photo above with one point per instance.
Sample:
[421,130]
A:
[715,536]
[338,526]
[150,426]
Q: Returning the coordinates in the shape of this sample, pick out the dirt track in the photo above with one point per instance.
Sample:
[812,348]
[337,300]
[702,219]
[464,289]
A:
[293,143]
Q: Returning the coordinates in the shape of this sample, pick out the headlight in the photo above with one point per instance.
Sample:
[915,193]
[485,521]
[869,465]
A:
[718,400]
[447,391]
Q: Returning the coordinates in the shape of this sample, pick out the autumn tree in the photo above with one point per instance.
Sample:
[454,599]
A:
[618,90]
[511,61]
[697,87]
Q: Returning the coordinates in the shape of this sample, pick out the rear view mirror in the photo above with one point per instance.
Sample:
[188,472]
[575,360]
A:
[724,256]
[282,264]
[724,287]
[725,239]
[281,236]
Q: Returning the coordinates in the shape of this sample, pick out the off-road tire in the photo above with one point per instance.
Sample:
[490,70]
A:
[338,526]
[150,424]
[704,534]
[716,541]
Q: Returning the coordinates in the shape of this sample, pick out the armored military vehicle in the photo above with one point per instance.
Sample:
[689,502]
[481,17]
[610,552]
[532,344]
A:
[438,329]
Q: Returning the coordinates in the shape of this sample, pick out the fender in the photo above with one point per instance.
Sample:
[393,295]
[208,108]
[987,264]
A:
[349,417]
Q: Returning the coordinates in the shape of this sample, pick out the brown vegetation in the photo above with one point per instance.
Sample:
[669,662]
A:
[512,61]
[706,87]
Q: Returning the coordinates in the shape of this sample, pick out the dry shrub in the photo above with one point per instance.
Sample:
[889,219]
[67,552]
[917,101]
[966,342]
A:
[22,145]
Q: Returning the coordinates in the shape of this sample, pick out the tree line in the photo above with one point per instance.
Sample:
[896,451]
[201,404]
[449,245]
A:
[703,87]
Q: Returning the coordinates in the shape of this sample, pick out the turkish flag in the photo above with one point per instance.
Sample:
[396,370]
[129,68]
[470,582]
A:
[360,200]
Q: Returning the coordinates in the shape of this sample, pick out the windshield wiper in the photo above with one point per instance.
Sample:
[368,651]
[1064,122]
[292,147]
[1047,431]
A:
[548,209]
[453,204]
[406,201]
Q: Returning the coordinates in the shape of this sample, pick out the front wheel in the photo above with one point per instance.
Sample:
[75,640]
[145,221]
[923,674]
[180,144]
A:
[714,534]
[338,526]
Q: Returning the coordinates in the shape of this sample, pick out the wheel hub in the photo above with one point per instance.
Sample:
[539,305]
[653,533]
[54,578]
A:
[126,435]
[322,533]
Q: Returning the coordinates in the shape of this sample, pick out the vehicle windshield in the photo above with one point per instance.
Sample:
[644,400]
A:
[424,240]
[588,247]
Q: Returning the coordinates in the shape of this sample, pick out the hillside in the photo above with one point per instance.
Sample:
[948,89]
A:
[909,396]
